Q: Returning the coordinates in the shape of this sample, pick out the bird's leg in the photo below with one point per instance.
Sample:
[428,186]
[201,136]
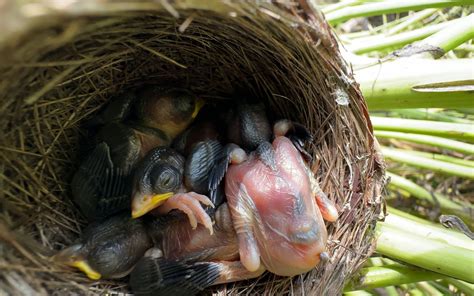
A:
[242,209]
[190,204]
[326,206]
[233,271]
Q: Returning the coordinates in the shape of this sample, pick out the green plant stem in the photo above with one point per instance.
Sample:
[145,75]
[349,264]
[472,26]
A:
[428,140]
[423,114]
[465,47]
[358,293]
[388,261]
[432,231]
[374,31]
[368,44]
[426,127]
[413,19]
[424,252]
[462,286]
[441,288]
[428,289]
[389,275]
[401,156]
[386,7]
[336,6]
[417,83]
[415,292]
[442,157]
[451,36]
[391,291]
[375,261]
[465,212]
[409,217]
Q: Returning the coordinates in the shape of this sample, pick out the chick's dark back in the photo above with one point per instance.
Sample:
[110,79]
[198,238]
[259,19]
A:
[115,245]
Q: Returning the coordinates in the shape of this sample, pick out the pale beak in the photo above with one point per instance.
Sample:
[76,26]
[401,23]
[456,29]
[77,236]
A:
[70,256]
[85,267]
[144,204]
[199,104]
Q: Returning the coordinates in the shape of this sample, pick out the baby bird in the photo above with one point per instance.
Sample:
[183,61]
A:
[184,260]
[131,126]
[273,224]
[163,180]
[149,118]
[99,187]
[276,205]
[109,249]
[248,126]
[170,111]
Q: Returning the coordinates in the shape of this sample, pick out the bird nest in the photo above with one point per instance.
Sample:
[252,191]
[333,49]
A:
[62,60]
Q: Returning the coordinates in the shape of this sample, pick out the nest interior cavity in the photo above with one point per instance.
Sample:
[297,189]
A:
[58,74]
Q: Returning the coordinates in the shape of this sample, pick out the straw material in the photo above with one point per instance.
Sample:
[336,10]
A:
[62,60]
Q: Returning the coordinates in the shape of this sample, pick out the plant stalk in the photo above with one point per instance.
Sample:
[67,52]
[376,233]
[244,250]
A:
[386,7]
[417,83]
[402,156]
[426,127]
[389,275]
[462,286]
[415,292]
[451,36]
[424,252]
[341,4]
[424,114]
[428,140]
[442,157]
[428,229]
[413,19]
[428,289]
[357,293]
[465,212]
[380,43]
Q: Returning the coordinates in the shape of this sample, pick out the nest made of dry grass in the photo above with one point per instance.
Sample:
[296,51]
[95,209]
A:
[64,63]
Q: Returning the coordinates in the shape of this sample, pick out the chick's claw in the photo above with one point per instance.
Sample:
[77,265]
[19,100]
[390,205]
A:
[190,204]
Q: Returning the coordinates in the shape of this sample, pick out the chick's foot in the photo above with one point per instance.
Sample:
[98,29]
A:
[190,204]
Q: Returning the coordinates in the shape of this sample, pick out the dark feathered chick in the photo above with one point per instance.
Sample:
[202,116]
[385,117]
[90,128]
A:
[190,260]
[99,187]
[109,249]
[131,125]
[158,115]
[248,125]
[199,132]
[171,110]
[185,260]
[159,183]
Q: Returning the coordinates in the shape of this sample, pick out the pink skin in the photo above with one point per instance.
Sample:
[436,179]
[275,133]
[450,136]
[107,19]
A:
[275,213]
[181,242]
[190,204]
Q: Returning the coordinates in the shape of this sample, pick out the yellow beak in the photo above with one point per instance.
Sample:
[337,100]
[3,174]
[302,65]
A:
[199,104]
[147,204]
[85,267]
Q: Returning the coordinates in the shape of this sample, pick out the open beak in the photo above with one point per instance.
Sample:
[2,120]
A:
[199,104]
[143,204]
[85,268]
